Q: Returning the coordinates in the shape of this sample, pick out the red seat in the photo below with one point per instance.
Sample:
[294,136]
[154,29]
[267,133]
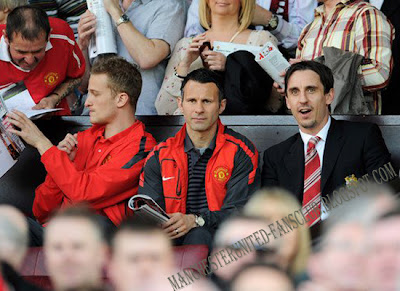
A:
[34,269]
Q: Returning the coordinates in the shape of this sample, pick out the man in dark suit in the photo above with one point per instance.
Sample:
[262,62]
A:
[342,148]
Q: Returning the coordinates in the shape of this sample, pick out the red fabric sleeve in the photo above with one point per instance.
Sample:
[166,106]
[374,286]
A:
[107,185]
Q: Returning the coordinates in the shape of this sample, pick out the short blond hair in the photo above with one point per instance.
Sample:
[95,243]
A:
[286,204]
[246,13]
[12,4]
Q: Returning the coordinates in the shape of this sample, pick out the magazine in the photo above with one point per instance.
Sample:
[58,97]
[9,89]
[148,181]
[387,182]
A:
[18,97]
[103,40]
[11,145]
[147,209]
[273,62]
[226,48]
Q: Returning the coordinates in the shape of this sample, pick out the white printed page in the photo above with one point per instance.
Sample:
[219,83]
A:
[227,48]
[103,41]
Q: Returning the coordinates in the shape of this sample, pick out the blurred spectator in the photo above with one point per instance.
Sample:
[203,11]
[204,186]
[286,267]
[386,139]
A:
[283,18]
[147,32]
[384,253]
[261,277]
[206,171]
[340,261]
[391,103]
[42,53]
[358,28]
[142,257]
[68,10]
[294,248]
[13,247]
[233,230]
[75,249]
[247,86]
[6,6]
[100,165]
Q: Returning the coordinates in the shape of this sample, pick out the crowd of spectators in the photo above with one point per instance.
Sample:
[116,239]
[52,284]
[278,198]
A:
[207,177]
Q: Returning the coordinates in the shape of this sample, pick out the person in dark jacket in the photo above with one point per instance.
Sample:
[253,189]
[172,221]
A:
[206,171]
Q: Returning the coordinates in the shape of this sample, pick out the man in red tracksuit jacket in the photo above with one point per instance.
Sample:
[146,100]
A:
[101,165]
[206,171]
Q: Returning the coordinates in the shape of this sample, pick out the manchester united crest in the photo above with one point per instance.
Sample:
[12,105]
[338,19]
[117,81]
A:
[51,79]
[221,174]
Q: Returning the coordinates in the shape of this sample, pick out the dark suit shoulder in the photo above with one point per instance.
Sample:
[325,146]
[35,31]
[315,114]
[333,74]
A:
[282,147]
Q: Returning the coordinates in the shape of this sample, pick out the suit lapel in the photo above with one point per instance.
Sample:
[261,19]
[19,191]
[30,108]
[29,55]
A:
[333,147]
[294,163]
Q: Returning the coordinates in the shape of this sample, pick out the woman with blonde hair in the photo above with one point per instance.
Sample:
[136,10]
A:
[247,86]
[275,204]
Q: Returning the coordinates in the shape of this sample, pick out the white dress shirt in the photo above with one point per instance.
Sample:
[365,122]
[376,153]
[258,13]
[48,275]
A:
[323,134]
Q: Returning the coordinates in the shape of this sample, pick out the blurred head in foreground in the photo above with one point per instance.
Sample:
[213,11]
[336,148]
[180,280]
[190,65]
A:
[75,249]
[142,257]
[261,277]
[226,241]
[340,260]
[384,253]
[294,247]
[13,236]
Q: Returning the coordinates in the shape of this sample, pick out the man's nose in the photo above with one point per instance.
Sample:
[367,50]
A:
[30,59]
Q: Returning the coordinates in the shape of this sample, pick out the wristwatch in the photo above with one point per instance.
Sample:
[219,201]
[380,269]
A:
[123,19]
[273,23]
[199,220]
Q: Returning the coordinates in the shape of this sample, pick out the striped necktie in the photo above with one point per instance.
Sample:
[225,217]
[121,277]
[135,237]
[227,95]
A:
[312,183]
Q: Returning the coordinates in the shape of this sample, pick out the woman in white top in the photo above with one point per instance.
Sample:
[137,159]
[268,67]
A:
[225,21]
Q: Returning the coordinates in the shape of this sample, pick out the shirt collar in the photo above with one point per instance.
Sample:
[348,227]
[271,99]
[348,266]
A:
[118,136]
[188,146]
[5,54]
[323,133]
[320,9]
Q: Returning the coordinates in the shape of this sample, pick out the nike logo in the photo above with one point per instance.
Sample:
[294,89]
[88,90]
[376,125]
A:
[167,178]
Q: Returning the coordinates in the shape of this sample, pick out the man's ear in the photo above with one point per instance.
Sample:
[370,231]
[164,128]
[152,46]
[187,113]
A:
[122,99]
[222,106]
[330,96]
[287,102]
[180,100]
[6,37]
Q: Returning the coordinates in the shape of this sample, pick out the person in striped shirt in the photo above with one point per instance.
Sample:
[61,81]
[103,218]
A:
[353,26]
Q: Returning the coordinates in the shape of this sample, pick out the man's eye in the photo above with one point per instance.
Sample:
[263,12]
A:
[295,92]
[311,90]
[207,101]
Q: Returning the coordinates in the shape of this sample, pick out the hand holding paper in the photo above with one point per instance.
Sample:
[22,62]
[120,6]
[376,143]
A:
[28,131]
[47,103]
[86,28]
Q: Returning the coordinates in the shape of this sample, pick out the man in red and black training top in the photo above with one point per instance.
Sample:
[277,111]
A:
[101,165]
[206,171]
[41,52]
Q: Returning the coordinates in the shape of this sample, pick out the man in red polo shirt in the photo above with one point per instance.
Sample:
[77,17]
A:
[101,165]
[42,53]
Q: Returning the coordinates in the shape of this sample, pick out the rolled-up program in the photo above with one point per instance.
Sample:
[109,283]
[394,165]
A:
[103,41]
[273,62]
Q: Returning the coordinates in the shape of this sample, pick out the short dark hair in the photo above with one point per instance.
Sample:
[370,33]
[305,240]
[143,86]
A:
[136,225]
[123,77]
[324,73]
[204,76]
[29,21]
[81,211]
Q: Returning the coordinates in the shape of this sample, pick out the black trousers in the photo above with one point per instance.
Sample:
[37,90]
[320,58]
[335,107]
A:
[247,86]
[36,230]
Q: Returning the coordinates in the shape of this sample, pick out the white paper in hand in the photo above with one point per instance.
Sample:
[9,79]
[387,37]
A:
[103,41]
[273,62]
